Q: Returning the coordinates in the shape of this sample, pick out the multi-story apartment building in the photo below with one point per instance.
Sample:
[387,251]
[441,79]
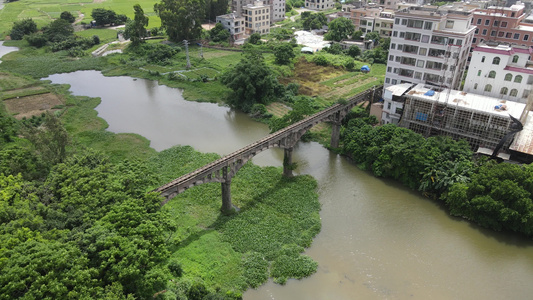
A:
[500,71]
[234,24]
[503,24]
[319,4]
[257,18]
[276,8]
[429,46]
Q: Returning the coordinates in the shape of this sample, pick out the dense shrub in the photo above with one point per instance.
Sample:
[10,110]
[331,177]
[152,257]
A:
[36,40]
[320,60]
[67,16]
[22,28]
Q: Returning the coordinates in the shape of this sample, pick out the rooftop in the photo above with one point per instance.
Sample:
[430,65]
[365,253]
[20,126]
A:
[399,89]
[469,101]
[523,141]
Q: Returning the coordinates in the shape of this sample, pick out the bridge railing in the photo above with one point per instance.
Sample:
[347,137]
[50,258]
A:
[223,161]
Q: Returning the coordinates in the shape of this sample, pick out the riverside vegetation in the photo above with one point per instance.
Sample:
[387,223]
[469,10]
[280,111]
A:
[75,196]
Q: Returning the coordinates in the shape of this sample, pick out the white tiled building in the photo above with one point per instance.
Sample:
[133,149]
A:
[319,4]
[501,71]
[429,46]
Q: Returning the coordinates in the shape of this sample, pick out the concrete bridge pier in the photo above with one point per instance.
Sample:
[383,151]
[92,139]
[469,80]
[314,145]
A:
[336,121]
[335,134]
[227,206]
[287,162]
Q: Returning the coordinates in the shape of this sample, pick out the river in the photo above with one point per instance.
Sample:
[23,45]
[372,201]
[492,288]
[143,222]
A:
[378,239]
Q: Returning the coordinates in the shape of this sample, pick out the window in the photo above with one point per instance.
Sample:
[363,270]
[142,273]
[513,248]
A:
[395,33]
[492,74]
[398,58]
[432,77]
[478,21]
[418,75]
[415,23]
[422,51]
[391,57]
[504,91]
[439,40]
[477,31]
[389,69]
[493,33]
[433,65]
[394,81]
[518,79]
[410,49]
[488,88]
[479,73]
[483,59]
[474,40]
[436,52]
[487,22]
[420,63]
[449,24]
[508,35]
[412,36]
[402,34]
[400,47]
[501,33]
[504,24]
[496,61]
[428,25]
[408,60]
[526,37]
[425,38]
[513,93]
[484,32]
[516,36]
[475,86]
[525,94]
[406,73]
[404,21]
[389,105]
[397,21]
[515,59]
[387,80]
[508,77]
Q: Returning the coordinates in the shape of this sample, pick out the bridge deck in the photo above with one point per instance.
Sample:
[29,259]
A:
[310,121]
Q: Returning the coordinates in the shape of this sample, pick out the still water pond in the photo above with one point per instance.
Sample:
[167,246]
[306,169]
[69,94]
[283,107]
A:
[378,240]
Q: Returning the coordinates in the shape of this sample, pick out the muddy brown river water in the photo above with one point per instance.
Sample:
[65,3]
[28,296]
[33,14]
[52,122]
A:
[378,239]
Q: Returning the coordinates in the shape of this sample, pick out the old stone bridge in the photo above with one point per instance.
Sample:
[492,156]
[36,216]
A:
[223,169]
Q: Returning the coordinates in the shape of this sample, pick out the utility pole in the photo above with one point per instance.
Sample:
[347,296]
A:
[201,50]
[187,53]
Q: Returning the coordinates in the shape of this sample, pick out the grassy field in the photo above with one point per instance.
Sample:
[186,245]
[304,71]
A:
[45,11]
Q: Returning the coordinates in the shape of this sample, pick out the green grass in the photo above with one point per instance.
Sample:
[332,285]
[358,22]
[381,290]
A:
[45,11]
[276,214]
[105,35]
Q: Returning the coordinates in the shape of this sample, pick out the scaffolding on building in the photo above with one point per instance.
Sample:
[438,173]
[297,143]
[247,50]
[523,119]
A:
[481,121]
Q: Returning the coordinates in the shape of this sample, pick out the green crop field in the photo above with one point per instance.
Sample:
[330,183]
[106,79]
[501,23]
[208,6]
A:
[45,11]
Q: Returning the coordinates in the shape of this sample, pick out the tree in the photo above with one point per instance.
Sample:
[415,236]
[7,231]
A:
[255,38]
[339,29]
[182,19]
[22,28]
[252,82]
[313,21]
[50,140]
[59,30]
[67,16]
[219,33]
[215,8]
[136,29]
[334,48]
[373,36]
[354,51]
[284,53]
[104,16]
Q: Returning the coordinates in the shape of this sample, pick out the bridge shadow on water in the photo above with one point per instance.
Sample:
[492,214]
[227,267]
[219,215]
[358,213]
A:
[222,219]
